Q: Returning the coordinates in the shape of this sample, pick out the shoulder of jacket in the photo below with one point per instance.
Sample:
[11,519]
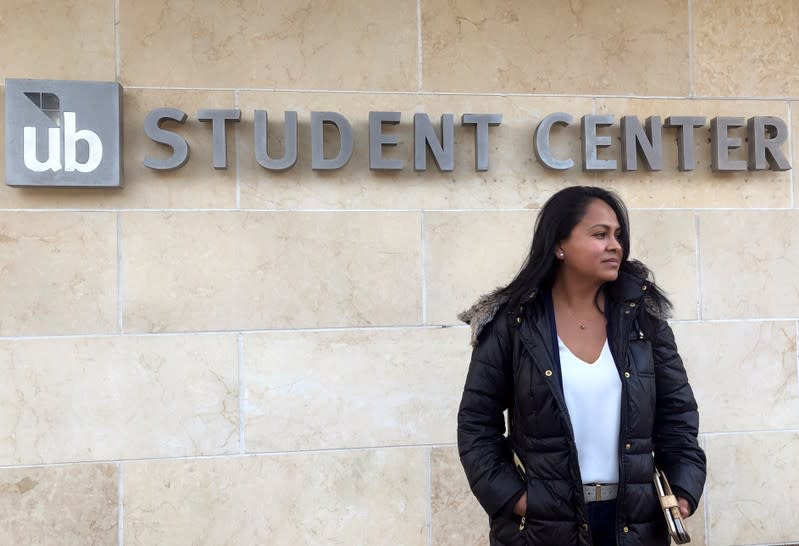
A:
[486,312]
[483,312]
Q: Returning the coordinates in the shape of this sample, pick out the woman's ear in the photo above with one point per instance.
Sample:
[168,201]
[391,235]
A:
[559,254]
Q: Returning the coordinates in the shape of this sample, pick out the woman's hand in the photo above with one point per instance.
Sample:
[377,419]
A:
[520,508]
[685,509]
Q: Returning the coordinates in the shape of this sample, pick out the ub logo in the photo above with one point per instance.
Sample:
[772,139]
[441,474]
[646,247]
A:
[48,103]
[63,133]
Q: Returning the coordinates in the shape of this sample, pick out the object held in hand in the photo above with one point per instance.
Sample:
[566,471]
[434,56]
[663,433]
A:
[671,511]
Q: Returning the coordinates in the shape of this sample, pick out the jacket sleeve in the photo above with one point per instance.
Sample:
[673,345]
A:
[677,450]
[483,448]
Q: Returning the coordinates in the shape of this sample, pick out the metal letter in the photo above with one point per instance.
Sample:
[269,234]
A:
[32,162]
[424,136]
[721,143]
[686,149]
[289,141]
[482,121]
[542,148]
[219,131]
[180,148]
[591,142]
[635,140]
[71,138]
[377,140]
[344,129]
[765,152]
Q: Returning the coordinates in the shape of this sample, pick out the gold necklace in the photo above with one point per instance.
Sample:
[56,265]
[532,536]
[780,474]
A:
[580,323]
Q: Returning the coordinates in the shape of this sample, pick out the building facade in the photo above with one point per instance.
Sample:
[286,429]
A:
[244,355]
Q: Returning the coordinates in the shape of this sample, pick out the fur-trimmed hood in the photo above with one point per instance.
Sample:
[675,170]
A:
[483,312]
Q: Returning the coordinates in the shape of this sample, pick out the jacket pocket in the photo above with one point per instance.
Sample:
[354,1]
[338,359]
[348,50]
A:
[505,531]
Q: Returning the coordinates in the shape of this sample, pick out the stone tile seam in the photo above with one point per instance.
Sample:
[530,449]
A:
[692,87]
[419,48]
[342,329]
[429,495]
[121,506]
[733,320]
[698,268]
[423,265]
[117,51]
[771,544]
[689,98]
[236,132]
[792,192]
[705,498]
[710,435]
[320,451]
[770,98]
[253,454]
[120,278]
[240,373]
[366,210]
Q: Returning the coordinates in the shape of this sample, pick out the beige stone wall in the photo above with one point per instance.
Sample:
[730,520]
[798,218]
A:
[237,357]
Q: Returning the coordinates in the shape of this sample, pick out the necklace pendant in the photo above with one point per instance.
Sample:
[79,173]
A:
[582,327]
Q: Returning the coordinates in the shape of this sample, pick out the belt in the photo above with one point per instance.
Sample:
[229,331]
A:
[595,492]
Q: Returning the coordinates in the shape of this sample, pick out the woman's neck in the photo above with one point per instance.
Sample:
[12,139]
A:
[575,294]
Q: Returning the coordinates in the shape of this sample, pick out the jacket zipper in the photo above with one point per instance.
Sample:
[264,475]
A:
[623,421]
[522,522]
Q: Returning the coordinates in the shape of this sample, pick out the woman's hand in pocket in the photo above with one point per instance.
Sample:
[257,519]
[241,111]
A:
[520,508]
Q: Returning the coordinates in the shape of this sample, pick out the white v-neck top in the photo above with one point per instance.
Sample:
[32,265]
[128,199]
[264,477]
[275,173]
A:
[593,398]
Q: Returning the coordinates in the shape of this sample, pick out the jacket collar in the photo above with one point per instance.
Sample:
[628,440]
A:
[627,288]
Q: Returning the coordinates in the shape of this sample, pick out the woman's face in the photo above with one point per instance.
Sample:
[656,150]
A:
[593,250]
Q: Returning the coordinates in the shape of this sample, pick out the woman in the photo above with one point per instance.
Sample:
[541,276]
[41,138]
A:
[578,351]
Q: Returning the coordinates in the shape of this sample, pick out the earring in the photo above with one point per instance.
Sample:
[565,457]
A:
[561,254]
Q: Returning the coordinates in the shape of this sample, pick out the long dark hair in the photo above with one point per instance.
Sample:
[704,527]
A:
[555,222]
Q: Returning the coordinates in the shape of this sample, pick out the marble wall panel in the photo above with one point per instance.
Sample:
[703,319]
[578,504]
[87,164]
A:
[696,525]
[230,271]
[666,242]
[743,374]
[458,519]
[748,261]
[750,491]
[345,389]
[195,185]
[283,44]
[468,254]
[103,398]
[335,498]
[74,505]
[744,48]
[701,187]
[72,39]
[59,273]
[504,46]
[514,178]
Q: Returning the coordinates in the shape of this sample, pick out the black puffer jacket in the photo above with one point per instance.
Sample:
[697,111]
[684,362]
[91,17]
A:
[515,365]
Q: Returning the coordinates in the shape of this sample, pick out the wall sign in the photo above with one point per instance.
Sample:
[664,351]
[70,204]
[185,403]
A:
[68,133]
[63,133]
